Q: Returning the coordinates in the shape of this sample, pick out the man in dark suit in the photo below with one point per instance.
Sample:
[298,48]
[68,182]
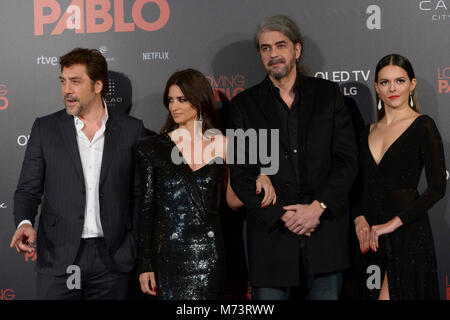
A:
[317,162]
[80,164]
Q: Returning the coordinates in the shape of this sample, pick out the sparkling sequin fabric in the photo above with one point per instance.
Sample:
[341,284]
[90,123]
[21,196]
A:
[180,236]
[390,189]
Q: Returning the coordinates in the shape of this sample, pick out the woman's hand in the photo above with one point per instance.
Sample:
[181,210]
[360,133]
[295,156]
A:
[363,232]
[263,182]
[144,279]
[380,229]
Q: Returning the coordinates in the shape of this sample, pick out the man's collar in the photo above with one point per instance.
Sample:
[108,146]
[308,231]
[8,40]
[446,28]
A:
[79,124]
[274,89]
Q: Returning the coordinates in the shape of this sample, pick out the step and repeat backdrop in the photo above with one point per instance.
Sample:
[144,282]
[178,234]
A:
[145,41]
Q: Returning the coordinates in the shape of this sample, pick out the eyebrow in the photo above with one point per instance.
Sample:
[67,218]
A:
[71,78]
[394,79]
[276,43]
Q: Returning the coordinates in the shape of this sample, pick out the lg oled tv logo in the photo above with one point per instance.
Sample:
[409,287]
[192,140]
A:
[94,16]
[342,76]
[439,10]
[226,86]
[3,98]
[7,294]
[444,80]
[22,140]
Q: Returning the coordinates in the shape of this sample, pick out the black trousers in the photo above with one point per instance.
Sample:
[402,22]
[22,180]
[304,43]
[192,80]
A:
[92,277]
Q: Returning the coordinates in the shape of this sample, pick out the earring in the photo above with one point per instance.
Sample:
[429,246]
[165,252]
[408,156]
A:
[200,118]
[379,104]
[411,102]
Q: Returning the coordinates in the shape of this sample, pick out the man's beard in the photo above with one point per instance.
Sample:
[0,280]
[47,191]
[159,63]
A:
[281,71]
[73,111]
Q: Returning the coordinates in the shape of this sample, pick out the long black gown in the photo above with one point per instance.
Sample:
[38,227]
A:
[389,190]
[180,236]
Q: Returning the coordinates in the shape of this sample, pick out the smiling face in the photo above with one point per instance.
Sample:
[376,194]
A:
[182,111]
[278,54]
[78,90]
[393,86]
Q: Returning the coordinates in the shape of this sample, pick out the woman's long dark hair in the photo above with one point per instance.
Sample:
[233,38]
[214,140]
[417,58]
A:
[198,92]
[402,62]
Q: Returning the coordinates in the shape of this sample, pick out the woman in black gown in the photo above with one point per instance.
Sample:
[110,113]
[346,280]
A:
[183,172]
[391,220]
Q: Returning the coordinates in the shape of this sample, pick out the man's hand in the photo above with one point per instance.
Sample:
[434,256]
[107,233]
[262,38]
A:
[363,230]
[147,281]
[302,219]
[22,238]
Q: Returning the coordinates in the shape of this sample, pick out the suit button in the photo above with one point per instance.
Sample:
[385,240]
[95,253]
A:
[80,218]
[83,191]
[286,155]
[210,234]
[295,150]
[174,236]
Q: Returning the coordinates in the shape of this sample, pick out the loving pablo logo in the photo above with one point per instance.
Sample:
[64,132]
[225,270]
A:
[226,86]
[3,98]
[444,80]
[94,16]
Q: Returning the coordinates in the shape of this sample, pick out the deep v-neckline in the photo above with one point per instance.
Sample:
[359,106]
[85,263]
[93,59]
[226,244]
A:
[184,162]
[392,144]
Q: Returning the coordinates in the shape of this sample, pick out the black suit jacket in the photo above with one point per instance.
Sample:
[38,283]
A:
[328,149]
[52,174]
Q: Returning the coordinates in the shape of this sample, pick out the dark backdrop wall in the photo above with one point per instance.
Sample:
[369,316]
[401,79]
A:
[145,41]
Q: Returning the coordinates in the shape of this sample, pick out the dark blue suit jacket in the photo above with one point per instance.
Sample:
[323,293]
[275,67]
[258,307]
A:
[52,176]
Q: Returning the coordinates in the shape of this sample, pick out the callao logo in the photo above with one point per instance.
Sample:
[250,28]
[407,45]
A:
[225,86]
[94,16]
[3,99]
[438,9]
[443,80]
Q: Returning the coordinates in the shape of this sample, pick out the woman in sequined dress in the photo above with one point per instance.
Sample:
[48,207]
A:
[391,221]
[183,173]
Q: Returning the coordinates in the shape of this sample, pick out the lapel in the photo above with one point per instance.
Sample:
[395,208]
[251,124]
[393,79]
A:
[69,136]
[112,135]
[307,101]
[266,98]
[184,172]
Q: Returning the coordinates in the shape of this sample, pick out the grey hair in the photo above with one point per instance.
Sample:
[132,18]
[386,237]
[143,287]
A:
[280,23]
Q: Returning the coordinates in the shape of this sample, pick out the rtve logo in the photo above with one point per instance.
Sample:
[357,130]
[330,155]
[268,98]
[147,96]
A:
[444,80]
[93,16]
[3,99]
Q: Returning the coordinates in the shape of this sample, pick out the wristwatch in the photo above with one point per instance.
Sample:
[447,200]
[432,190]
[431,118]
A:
[323,205]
